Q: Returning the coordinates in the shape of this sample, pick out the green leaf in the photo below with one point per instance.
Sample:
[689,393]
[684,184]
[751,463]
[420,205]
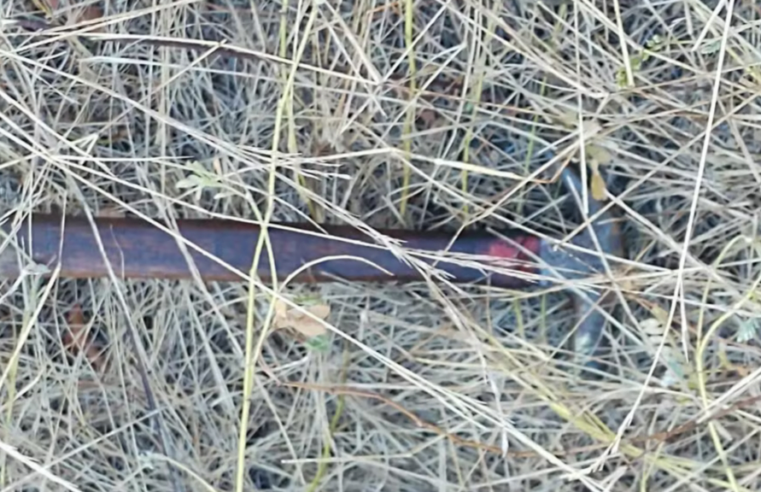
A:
[655,43]
[711,47]
[308,299]
[747,331]
[621,77]
[187,183]
[320,343]
[197,168]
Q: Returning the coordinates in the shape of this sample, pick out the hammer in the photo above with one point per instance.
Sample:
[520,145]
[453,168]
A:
[223,250]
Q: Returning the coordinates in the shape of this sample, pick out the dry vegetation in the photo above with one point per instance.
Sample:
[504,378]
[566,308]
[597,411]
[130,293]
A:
[418,113]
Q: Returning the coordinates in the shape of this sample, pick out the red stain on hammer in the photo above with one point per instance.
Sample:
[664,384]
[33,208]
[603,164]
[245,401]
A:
[507,251]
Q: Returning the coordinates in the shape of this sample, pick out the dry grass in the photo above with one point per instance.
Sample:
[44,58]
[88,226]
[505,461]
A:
[421,114]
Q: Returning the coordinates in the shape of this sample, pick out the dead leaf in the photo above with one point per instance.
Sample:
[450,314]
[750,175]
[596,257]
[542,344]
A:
[590,128]
[88,15]
[598,183]
[286,317]
[428,118]
[91,13]
[46,6]
[659,313]
[281,311]
[76,317]
[598,187]
[599,154]
[568,119]
[75,338]
[216,164]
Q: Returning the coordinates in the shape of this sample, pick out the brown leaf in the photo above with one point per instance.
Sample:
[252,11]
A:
[76,317]
[428,118]
[75,337]
[299,321]
[89,14]
[309,327]
[281,314]
[322,311]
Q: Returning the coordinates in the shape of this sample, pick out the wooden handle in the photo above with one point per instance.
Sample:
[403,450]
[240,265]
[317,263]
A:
[138,249]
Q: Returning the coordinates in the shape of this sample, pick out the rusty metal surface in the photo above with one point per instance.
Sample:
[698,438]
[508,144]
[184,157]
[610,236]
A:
[224,250]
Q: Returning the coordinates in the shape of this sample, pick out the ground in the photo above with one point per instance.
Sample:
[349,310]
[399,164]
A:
[420,114]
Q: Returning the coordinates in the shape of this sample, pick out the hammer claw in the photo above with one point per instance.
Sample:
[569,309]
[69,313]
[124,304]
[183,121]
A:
[602,237]
[589,330]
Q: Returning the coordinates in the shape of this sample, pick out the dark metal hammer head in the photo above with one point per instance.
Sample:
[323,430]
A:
[600,239]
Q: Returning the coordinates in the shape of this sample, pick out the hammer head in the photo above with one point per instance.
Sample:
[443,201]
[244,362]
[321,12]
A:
[600,239]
